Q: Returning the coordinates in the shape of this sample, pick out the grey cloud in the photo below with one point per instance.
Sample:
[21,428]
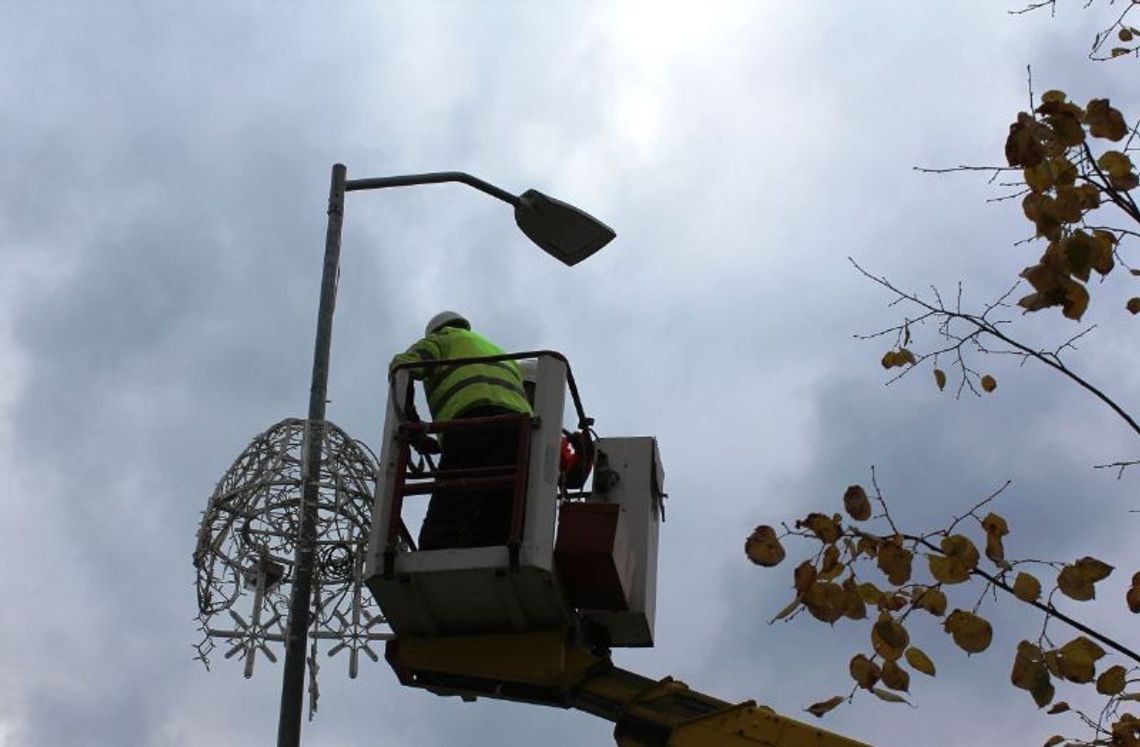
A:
[188,150]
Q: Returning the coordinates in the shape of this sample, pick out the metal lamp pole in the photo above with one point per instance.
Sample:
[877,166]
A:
[563,231]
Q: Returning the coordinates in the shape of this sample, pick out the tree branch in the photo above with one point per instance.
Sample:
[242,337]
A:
[982,325]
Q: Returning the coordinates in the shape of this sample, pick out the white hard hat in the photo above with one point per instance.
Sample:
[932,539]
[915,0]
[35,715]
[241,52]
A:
[445,318]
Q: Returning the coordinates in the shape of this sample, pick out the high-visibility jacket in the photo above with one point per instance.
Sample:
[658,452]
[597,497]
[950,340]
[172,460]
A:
[453,389]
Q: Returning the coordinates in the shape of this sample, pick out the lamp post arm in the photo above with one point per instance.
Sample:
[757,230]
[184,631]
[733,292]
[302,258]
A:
[437,177]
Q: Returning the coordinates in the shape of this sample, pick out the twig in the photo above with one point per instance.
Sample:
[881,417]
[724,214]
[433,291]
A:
[1119,466]
[978,505]
[1051,4]
[883,503]
[963,167]
[984,326]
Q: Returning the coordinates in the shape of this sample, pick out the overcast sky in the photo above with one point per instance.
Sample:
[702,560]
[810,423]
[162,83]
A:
[162,217]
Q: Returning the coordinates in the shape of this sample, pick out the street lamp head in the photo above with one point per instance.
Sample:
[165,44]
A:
[562,231]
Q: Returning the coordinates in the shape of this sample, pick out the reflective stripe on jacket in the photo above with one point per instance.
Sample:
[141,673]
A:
[452,390]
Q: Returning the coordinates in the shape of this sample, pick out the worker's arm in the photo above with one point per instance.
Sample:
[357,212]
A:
[429,348]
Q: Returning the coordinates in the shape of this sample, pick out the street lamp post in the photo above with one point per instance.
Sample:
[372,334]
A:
[563,231]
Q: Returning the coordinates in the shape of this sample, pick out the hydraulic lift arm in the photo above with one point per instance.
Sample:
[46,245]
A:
[547,669]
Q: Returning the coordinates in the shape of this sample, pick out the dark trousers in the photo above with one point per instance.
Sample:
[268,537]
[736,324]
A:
[472,517]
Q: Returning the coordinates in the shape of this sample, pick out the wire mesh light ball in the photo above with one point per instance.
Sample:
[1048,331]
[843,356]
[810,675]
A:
[247,540]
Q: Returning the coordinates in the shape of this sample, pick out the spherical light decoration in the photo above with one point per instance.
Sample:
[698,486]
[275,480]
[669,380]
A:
[244,554]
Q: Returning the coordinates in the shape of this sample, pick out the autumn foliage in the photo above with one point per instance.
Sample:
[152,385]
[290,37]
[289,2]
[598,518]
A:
[864,568]
[1074,176]
[1065,180]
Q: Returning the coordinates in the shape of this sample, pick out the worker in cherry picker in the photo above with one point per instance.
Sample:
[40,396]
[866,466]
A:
[471,517]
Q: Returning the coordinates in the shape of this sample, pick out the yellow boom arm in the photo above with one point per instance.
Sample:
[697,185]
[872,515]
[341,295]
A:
[546,668]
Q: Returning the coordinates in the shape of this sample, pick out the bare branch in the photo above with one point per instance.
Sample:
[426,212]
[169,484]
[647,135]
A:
[1051,4]
[1119,466]
[883,503]
[973,509]
[981,325]
[962,167]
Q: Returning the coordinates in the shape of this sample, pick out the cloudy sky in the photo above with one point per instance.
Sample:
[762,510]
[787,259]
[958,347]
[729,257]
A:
[161,226]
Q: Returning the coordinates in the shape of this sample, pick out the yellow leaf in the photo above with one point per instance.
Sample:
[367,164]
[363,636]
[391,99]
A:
[1053,96]
[818,709]
[892,602]
[907,356]
[1067,129]
[1125,35]
[895,562]
[889,638]
[1080,249]
[826,601]
[1132,597]
[889,696]
[1077,660]
[864,671]
[763,547]
[895,677]
[1118,167]
[1039,178]
[1058,707]
[1111,681]
[1053,661]
[1105,121]
[824,527]
[1133,305]
[804,576]
[930,599]
[996,528]
[1066,207]
[1053,741]
[870,593]
[919,661]
[1089,196]
[830,560]
[789,609]
[1029,672]
[854,608]
[959,560]
[1023,146]
[1092,570]
[856,503]
[971,632]
[989,383]
[994,549]
[890,359]
[1074,585]
[1065,171]
[1026,587]
[959,546]
[1102,259]
[1114,163]
[940,376]
[1075,304]
[1031,206]
[1043,694]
